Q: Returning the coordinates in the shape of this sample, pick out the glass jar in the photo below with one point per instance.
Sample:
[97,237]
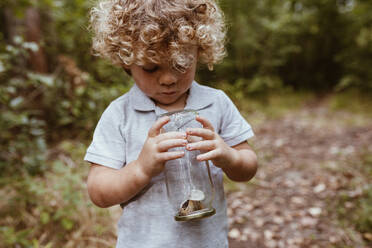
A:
[189,183]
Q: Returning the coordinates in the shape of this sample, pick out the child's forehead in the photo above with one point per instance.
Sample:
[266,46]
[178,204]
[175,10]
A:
[188,52]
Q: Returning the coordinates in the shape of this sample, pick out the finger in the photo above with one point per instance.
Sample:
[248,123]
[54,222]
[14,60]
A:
[170,135]
[193,139]
[201,132]
[205,145]
[165,145]
[165,156]
[206,124]
[156,127]
[208,155]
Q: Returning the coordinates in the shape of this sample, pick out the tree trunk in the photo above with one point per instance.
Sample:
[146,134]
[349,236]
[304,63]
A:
[11,26]
[37,60]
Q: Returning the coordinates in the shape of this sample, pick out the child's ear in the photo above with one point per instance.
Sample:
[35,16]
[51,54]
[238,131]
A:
[127,70]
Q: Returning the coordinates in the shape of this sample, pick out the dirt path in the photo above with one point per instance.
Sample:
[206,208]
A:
[307,159]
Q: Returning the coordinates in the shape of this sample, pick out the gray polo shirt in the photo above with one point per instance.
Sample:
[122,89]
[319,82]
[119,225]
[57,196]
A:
[147,219]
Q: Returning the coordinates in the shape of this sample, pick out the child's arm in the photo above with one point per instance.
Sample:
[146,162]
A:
[108,187]
[238,162]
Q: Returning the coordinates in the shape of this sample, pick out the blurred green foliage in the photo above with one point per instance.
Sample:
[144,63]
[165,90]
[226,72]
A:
[43,108]
[318,45]
[45,199]
[53,209]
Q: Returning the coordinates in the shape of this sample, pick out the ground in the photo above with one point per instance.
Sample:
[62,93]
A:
[308,159]
[315,167]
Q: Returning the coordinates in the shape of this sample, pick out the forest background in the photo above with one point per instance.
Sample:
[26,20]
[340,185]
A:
[53,92]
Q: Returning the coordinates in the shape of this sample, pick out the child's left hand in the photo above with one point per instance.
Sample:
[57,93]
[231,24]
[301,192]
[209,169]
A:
[213,146]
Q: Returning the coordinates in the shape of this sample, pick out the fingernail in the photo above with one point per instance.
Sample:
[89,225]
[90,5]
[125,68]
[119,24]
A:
[188,146]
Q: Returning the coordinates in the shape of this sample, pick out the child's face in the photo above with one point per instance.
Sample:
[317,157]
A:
[166,86]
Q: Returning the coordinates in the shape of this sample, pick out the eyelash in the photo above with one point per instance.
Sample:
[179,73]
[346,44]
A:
[150,70]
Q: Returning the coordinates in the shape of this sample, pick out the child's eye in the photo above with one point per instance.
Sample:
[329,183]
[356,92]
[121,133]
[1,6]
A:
[150,69]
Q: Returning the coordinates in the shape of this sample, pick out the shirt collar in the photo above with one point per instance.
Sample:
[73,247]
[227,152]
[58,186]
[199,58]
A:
[198,98]
[139,100]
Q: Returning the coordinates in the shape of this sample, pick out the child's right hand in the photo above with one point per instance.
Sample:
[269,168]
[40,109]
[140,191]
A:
[155,152]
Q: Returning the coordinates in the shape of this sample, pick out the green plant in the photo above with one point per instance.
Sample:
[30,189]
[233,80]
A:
[355,209]
[52,209]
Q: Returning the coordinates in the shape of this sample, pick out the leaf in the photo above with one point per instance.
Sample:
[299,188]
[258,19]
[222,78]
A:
[234,233]
[45,217]
[67,224]
[37,131]
[319,188]
[367,236]
[315,212]
[2,67]
[31,45]
[16,102]
[44,79]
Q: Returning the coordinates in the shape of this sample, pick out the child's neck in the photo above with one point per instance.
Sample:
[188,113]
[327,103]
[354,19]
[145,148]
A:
[180,104]
[172,107]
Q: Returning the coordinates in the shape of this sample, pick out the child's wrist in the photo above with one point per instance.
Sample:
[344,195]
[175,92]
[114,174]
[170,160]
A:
[143,172]
[233,159]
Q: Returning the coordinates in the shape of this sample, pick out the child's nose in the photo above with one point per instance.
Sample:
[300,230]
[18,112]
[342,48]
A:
[168,78]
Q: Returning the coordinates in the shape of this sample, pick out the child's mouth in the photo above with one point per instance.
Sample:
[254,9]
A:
[169,93]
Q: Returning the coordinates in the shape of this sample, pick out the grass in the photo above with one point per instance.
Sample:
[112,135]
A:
[230,186]
[355,210]
[260,106]
[271,106]
[352,101]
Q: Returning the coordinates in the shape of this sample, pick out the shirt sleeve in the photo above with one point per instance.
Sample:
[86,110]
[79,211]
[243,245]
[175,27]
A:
[234,128]
[108,145]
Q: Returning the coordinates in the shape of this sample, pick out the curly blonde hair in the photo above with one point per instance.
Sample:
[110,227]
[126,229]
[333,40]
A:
[153,31]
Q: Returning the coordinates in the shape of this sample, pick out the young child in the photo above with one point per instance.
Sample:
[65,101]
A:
[159,43]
